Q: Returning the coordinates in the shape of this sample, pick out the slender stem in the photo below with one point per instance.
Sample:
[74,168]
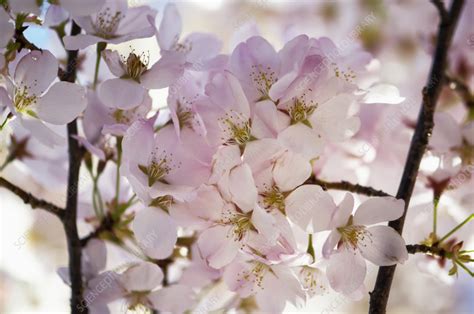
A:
[465,268]
[347,186]
[100,47]
[310,249]
[9,116]
[450,233]
[379,296]
[117,179]
[28,198]
[435,214]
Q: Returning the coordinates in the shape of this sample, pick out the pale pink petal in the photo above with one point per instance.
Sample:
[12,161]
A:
[36,71]
[468,132]
[310,207]
[330,243]
[346,271]
[145,276]
[446,132]
[164,72]
[383,246]
[238,277]
[267,120]
[83,7]
[203,47]
[24,6]
[265,224]
[291,170]
[155,231]
[138,142]
[241,104]
[170,28]
[260,154]
[242,187]
[80,41]
[303,140]
[41,132]
[62,103]
[96,255]
[173,299]
[378,209]
[114,62]
[7,27]
[383,94]
[121,93]
[217,246]
[343,212]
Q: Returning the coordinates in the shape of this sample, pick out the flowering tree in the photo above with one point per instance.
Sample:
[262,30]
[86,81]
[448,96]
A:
[222,197]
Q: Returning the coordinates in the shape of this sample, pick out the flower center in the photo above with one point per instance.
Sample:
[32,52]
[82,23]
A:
[158,168]
[301,111]
[310,279]
[185,116]
[255,274]
[236,128]
[274,199]
[263,79]
[183,47]
[138,302]
[353,234]
[106,23]
[241,225]
[136,65]
[23,100]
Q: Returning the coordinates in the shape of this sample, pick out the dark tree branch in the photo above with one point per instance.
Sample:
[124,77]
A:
[379,296]
[21,39]
[439,4]
[29,198]
[347,186]
[70,225]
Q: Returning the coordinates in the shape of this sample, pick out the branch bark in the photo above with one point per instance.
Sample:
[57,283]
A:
[421,248]
[379,296]
[70,219]
[347,186]
[29,198]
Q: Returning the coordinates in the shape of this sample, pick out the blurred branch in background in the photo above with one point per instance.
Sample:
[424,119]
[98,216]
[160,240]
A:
[35,202]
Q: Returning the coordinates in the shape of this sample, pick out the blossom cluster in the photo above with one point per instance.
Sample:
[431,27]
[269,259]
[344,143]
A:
[224,179]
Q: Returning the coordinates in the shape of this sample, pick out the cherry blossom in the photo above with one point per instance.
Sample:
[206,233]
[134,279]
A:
[114,23]
[34,101]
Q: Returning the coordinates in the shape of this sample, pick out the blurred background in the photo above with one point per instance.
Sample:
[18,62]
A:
[399,33]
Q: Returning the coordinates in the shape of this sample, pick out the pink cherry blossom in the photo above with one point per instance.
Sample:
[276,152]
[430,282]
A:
[34,101]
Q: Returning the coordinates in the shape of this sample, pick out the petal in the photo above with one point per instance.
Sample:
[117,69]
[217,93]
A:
[379,209]
[164,72]
[217,246]
[268,121]
[383,94]
[303,140]
[156,232]
[62,103]
[446,132]
[121,93]
[138,142]
[330,243]
[8,29]
[260,154]
[310,207]
[42,133]
[114,62]
[96,254]
[83,7]
[343,212]
[242,187]
[203,47]
[170,27]
[291,170]
[142,277]
[36,70]
[265,224]
[346,271]
[173,299]
[383,246]
[80,41]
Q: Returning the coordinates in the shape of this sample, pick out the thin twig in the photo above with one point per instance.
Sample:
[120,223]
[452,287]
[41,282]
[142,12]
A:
[379,296]
[421,248]
[29,198]
[347,186]
[70,225]
[21,39]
